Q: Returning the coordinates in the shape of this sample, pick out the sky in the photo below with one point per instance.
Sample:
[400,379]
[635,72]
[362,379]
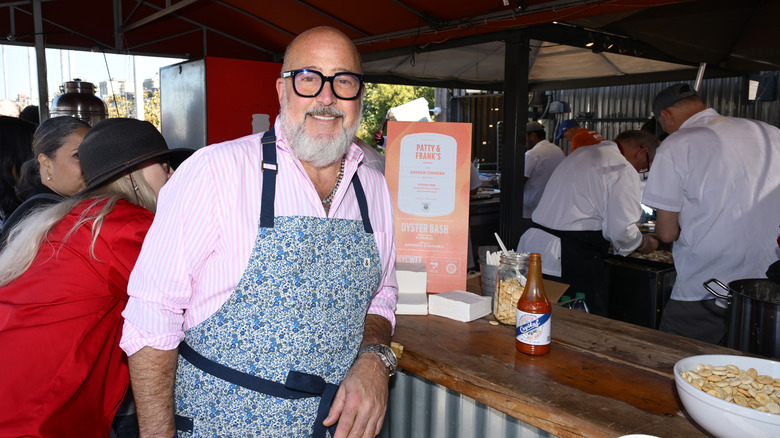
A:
[18,68]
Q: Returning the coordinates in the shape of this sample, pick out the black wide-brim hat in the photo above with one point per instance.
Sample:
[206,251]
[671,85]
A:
[114,146]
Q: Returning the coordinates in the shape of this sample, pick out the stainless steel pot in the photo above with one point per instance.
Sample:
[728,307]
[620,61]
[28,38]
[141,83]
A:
[79,100]
[754,315]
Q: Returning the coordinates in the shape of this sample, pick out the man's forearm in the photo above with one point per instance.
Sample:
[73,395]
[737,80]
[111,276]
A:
[667,225]
[152,374]
[377,330]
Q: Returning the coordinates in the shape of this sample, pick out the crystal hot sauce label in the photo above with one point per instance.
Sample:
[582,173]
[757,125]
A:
[533,328]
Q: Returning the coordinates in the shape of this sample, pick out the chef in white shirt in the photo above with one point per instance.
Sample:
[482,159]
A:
[590,202]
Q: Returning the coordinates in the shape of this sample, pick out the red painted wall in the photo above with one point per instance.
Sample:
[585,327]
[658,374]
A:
[236,91]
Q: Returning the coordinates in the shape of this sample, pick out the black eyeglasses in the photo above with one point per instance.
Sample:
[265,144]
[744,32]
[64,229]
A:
[309,83]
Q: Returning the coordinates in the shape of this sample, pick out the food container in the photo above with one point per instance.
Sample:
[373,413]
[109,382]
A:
[754,315]
[487,274]
[78,100]
[510,281]
[719,417]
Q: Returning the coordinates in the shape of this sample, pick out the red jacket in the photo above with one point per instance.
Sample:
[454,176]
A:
[62,372]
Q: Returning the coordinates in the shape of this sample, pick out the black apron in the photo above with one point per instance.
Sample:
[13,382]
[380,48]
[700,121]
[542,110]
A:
[582,265]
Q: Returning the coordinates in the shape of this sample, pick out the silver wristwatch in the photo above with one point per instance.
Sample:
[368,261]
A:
[385,353]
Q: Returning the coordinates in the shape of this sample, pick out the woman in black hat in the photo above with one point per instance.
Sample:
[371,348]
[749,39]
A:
[63,286]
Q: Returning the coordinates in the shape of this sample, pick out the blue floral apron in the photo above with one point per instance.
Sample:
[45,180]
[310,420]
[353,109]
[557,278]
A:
[275,352]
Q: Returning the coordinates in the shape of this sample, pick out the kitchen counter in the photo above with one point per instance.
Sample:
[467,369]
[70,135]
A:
[602,378]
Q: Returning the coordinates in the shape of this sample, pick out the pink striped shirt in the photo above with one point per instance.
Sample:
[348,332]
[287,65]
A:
[207,217]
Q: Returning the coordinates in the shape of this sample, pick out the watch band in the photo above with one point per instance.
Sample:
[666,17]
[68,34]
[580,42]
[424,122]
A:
[385,353]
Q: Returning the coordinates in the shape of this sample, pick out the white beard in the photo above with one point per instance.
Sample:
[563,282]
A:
[318,151]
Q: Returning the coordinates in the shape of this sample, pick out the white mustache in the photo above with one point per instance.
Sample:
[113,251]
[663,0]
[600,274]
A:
[325,111]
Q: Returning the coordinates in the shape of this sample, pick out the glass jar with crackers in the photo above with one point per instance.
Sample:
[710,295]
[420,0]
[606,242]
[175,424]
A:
[510,281]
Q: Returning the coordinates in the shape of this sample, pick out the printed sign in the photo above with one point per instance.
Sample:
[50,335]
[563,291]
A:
[427,168]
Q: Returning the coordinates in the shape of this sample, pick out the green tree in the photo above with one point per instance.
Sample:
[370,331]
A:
[118,106]
[126,108]
[381,97]
[152,108]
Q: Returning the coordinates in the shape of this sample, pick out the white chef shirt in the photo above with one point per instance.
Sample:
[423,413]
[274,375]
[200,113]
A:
[540,162]
[722,174]
[594,188]
[371,157]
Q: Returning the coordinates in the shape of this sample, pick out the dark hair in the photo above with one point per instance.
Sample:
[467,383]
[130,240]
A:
[30,114]
[48,139]
[15,149]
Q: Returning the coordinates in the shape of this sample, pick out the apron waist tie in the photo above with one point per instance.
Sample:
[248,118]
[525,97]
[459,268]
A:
[298,385]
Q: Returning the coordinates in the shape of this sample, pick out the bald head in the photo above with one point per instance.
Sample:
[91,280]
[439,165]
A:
[320,119]
[672,117]
[321,38]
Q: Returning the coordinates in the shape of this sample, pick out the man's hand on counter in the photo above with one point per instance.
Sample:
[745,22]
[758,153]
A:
[649,244]
[361,401]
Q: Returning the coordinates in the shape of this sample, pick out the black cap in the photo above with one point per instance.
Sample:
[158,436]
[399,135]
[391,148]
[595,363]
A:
[114,146]
[671,95]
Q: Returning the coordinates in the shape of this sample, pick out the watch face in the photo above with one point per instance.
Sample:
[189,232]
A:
[390,355]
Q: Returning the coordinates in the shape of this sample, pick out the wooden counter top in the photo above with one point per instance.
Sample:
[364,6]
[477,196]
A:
[602,378]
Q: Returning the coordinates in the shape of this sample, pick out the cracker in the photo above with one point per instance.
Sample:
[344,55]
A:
[743,387]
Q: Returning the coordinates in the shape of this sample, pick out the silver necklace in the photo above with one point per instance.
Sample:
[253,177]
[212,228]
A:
[329,199]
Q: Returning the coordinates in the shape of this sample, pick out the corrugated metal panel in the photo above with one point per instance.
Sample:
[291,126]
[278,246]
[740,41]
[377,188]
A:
[611,110]
[419,408]
[484,112]
[615,109]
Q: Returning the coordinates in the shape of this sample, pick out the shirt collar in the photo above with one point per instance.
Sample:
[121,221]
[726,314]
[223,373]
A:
[703,113]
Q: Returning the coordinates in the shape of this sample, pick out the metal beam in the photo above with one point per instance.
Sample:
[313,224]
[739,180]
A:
[568,84]
[554,33]
[138,4]
[256,18]
[40,58]
[205,43]
[330,17]
[117,25]
[438,83]
[479,58]
[21,3]
[162,13]
[513,146]
[218,32]
[482,19]
[169,37]
[86,37]
[12,22]
[640,78]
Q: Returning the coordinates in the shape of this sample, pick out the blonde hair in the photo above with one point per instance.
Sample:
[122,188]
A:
[27,236]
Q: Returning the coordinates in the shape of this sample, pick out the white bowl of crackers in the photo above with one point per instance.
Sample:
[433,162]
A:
[731,396]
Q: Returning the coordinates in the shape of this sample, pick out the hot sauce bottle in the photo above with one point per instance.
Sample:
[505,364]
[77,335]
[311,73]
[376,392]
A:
[532,332]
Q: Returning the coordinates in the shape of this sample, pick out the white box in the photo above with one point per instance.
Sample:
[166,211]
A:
[412,285]
[412,277]
[412,304]
[459,305]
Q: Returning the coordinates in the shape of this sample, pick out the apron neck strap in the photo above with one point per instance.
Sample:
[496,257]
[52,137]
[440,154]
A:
[362,203]
[269,168]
